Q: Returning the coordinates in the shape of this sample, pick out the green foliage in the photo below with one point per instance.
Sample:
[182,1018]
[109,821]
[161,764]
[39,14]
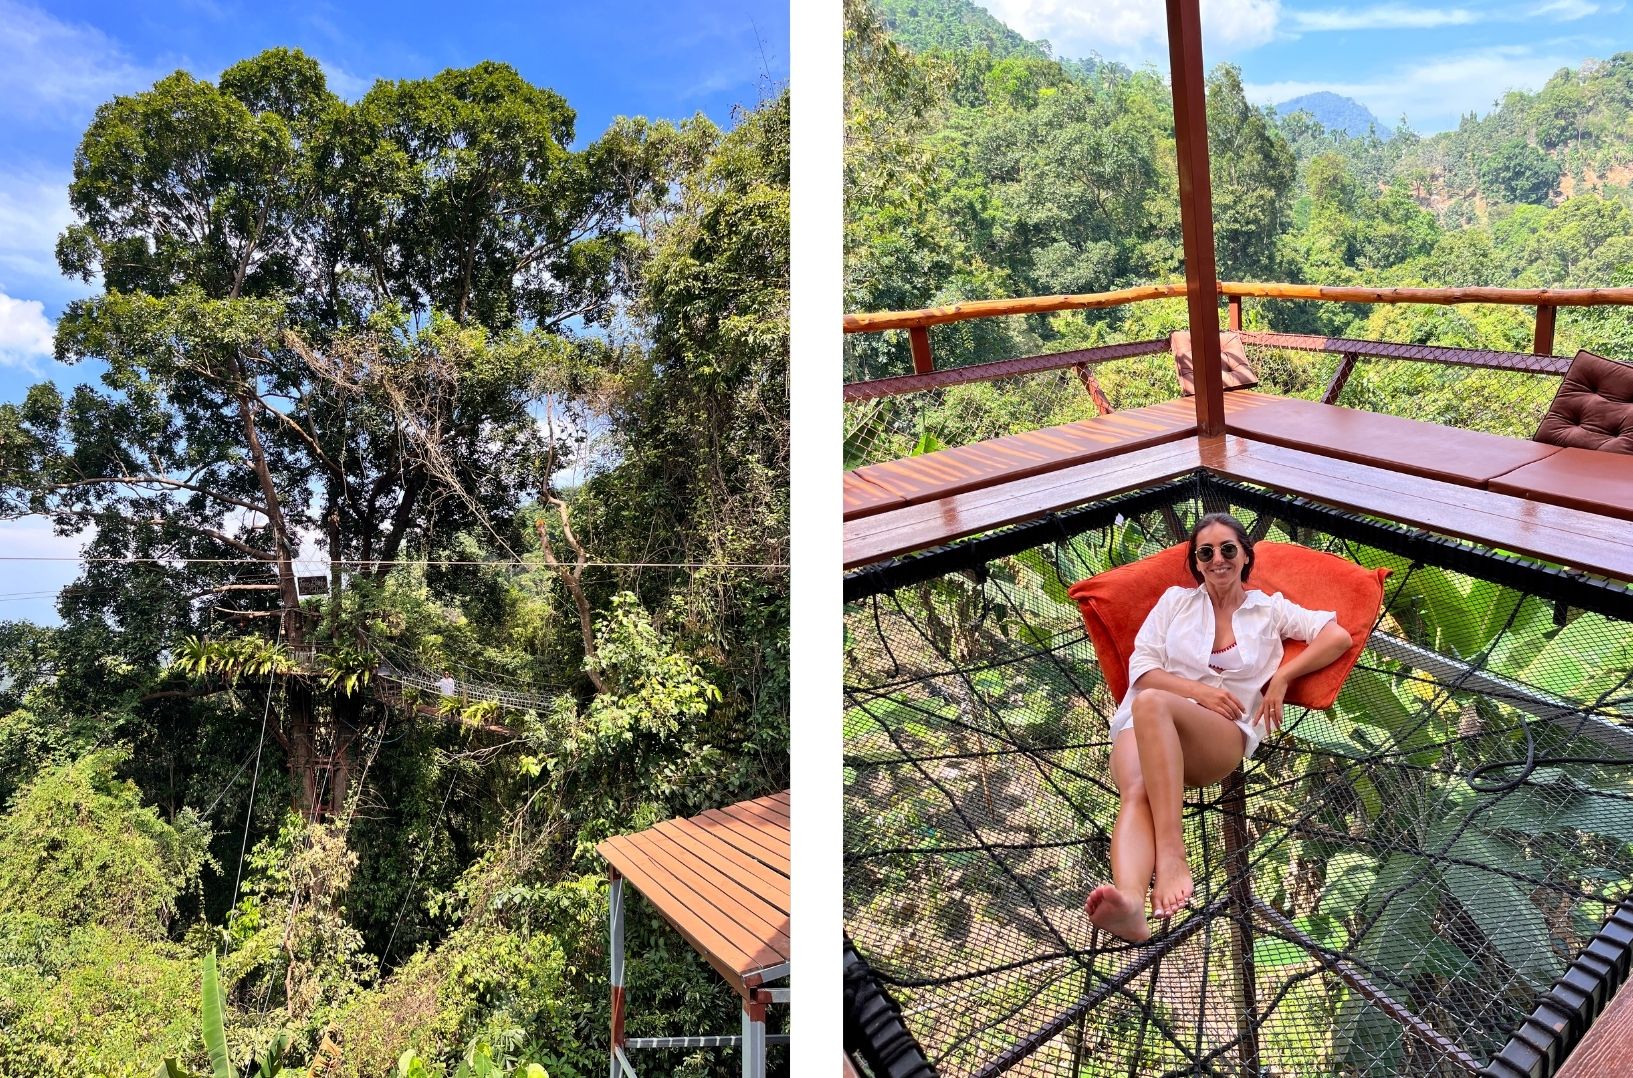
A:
[89,885]
[266,1064]
[79,847]
[358,347]
[1515,171]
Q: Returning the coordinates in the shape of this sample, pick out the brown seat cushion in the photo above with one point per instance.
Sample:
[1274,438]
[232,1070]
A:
[1383,441]
[1238,372]
[913,480]
[1593,408]
[1586,479]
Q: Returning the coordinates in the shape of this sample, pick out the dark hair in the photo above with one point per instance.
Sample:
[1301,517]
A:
[1241,534]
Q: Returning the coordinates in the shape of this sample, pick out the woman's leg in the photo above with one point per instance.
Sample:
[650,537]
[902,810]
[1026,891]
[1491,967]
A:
[1119,908]
[1181,743]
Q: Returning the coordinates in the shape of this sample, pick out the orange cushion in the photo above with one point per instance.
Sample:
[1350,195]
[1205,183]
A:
[1115,604]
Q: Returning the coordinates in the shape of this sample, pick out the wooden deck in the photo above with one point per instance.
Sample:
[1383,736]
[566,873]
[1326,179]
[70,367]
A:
[915,527]
[1586,541]
[1580,540]
[721,879]
[1607,1048]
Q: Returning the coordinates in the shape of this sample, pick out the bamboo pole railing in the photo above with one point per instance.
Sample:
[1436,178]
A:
[1546,300]
[994,308]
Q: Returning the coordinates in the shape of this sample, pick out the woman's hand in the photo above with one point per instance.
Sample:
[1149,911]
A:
[1275,693]
[1218,700]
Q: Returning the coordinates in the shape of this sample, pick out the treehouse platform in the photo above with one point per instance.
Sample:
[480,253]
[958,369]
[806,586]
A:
[976,797]
[721,880]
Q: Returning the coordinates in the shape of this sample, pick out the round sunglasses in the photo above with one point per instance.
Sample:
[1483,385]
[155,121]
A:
[1228,551]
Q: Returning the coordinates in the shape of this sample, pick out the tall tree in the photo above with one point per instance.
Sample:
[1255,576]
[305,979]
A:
[324,326]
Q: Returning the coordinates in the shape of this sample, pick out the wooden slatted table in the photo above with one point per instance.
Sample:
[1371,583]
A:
[721,880]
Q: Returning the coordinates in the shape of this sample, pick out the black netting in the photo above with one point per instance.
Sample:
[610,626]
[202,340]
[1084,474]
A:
[1415,866]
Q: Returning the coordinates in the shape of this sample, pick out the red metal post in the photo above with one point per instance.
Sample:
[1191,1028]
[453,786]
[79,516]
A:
[1101,403]
[1235,311]
[1543,343]
[919,338]
[1196,210]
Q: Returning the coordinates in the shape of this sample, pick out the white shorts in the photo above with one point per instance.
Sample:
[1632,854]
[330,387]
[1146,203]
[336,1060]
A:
[1253,733]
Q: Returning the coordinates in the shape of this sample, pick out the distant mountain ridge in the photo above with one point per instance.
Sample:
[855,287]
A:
[1334,112]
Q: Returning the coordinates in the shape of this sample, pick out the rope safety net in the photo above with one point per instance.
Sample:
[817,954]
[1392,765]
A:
[1411,869]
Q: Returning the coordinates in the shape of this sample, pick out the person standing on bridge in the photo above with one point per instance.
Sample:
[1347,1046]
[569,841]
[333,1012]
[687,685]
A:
[446,686]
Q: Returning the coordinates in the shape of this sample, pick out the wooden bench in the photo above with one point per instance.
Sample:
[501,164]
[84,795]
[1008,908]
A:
[914,480]
[1591,542]
[877,488]
[1384,441]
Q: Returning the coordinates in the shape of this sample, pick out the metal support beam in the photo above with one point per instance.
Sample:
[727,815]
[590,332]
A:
[1239,881]
[753,1040]
[1196,211]
[1102,404]
[615,918]
[1335,388]
[1561,713]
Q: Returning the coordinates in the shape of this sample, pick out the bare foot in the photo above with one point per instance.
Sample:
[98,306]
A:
[1118,914]
[1173,887]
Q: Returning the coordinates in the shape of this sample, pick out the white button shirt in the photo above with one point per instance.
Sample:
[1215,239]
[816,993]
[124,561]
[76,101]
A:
[1177,636]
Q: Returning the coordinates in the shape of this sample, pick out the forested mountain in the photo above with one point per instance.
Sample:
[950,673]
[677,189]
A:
[1333,111]
[972,175]
[527,405]
[922,25]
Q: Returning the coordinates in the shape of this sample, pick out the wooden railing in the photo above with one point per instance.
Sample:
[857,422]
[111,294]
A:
[1547,301]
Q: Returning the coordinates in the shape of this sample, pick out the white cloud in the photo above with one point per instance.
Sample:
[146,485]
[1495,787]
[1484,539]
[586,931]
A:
[1434,91]
[1382,17]
[59,71]
[1569,10]
[33,212]
[25,333]
[1136,30]
[343,83]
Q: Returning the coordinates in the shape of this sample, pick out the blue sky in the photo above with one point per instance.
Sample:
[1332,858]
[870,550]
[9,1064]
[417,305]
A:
[658,58]
[1431,61]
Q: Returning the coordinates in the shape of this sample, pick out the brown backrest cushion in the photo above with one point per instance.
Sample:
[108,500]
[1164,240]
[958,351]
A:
[1238,372]
[1593,408]
[1114,605]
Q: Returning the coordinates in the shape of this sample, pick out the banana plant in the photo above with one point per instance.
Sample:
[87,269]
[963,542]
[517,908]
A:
[266,1064]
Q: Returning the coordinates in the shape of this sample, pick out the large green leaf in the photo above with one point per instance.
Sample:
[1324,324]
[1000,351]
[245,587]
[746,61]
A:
[1500,906]
[215,1034]
[1532,627]
[1366,1039]
[1590,656]
[1043,573]
[1350,876]
[1355,740]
